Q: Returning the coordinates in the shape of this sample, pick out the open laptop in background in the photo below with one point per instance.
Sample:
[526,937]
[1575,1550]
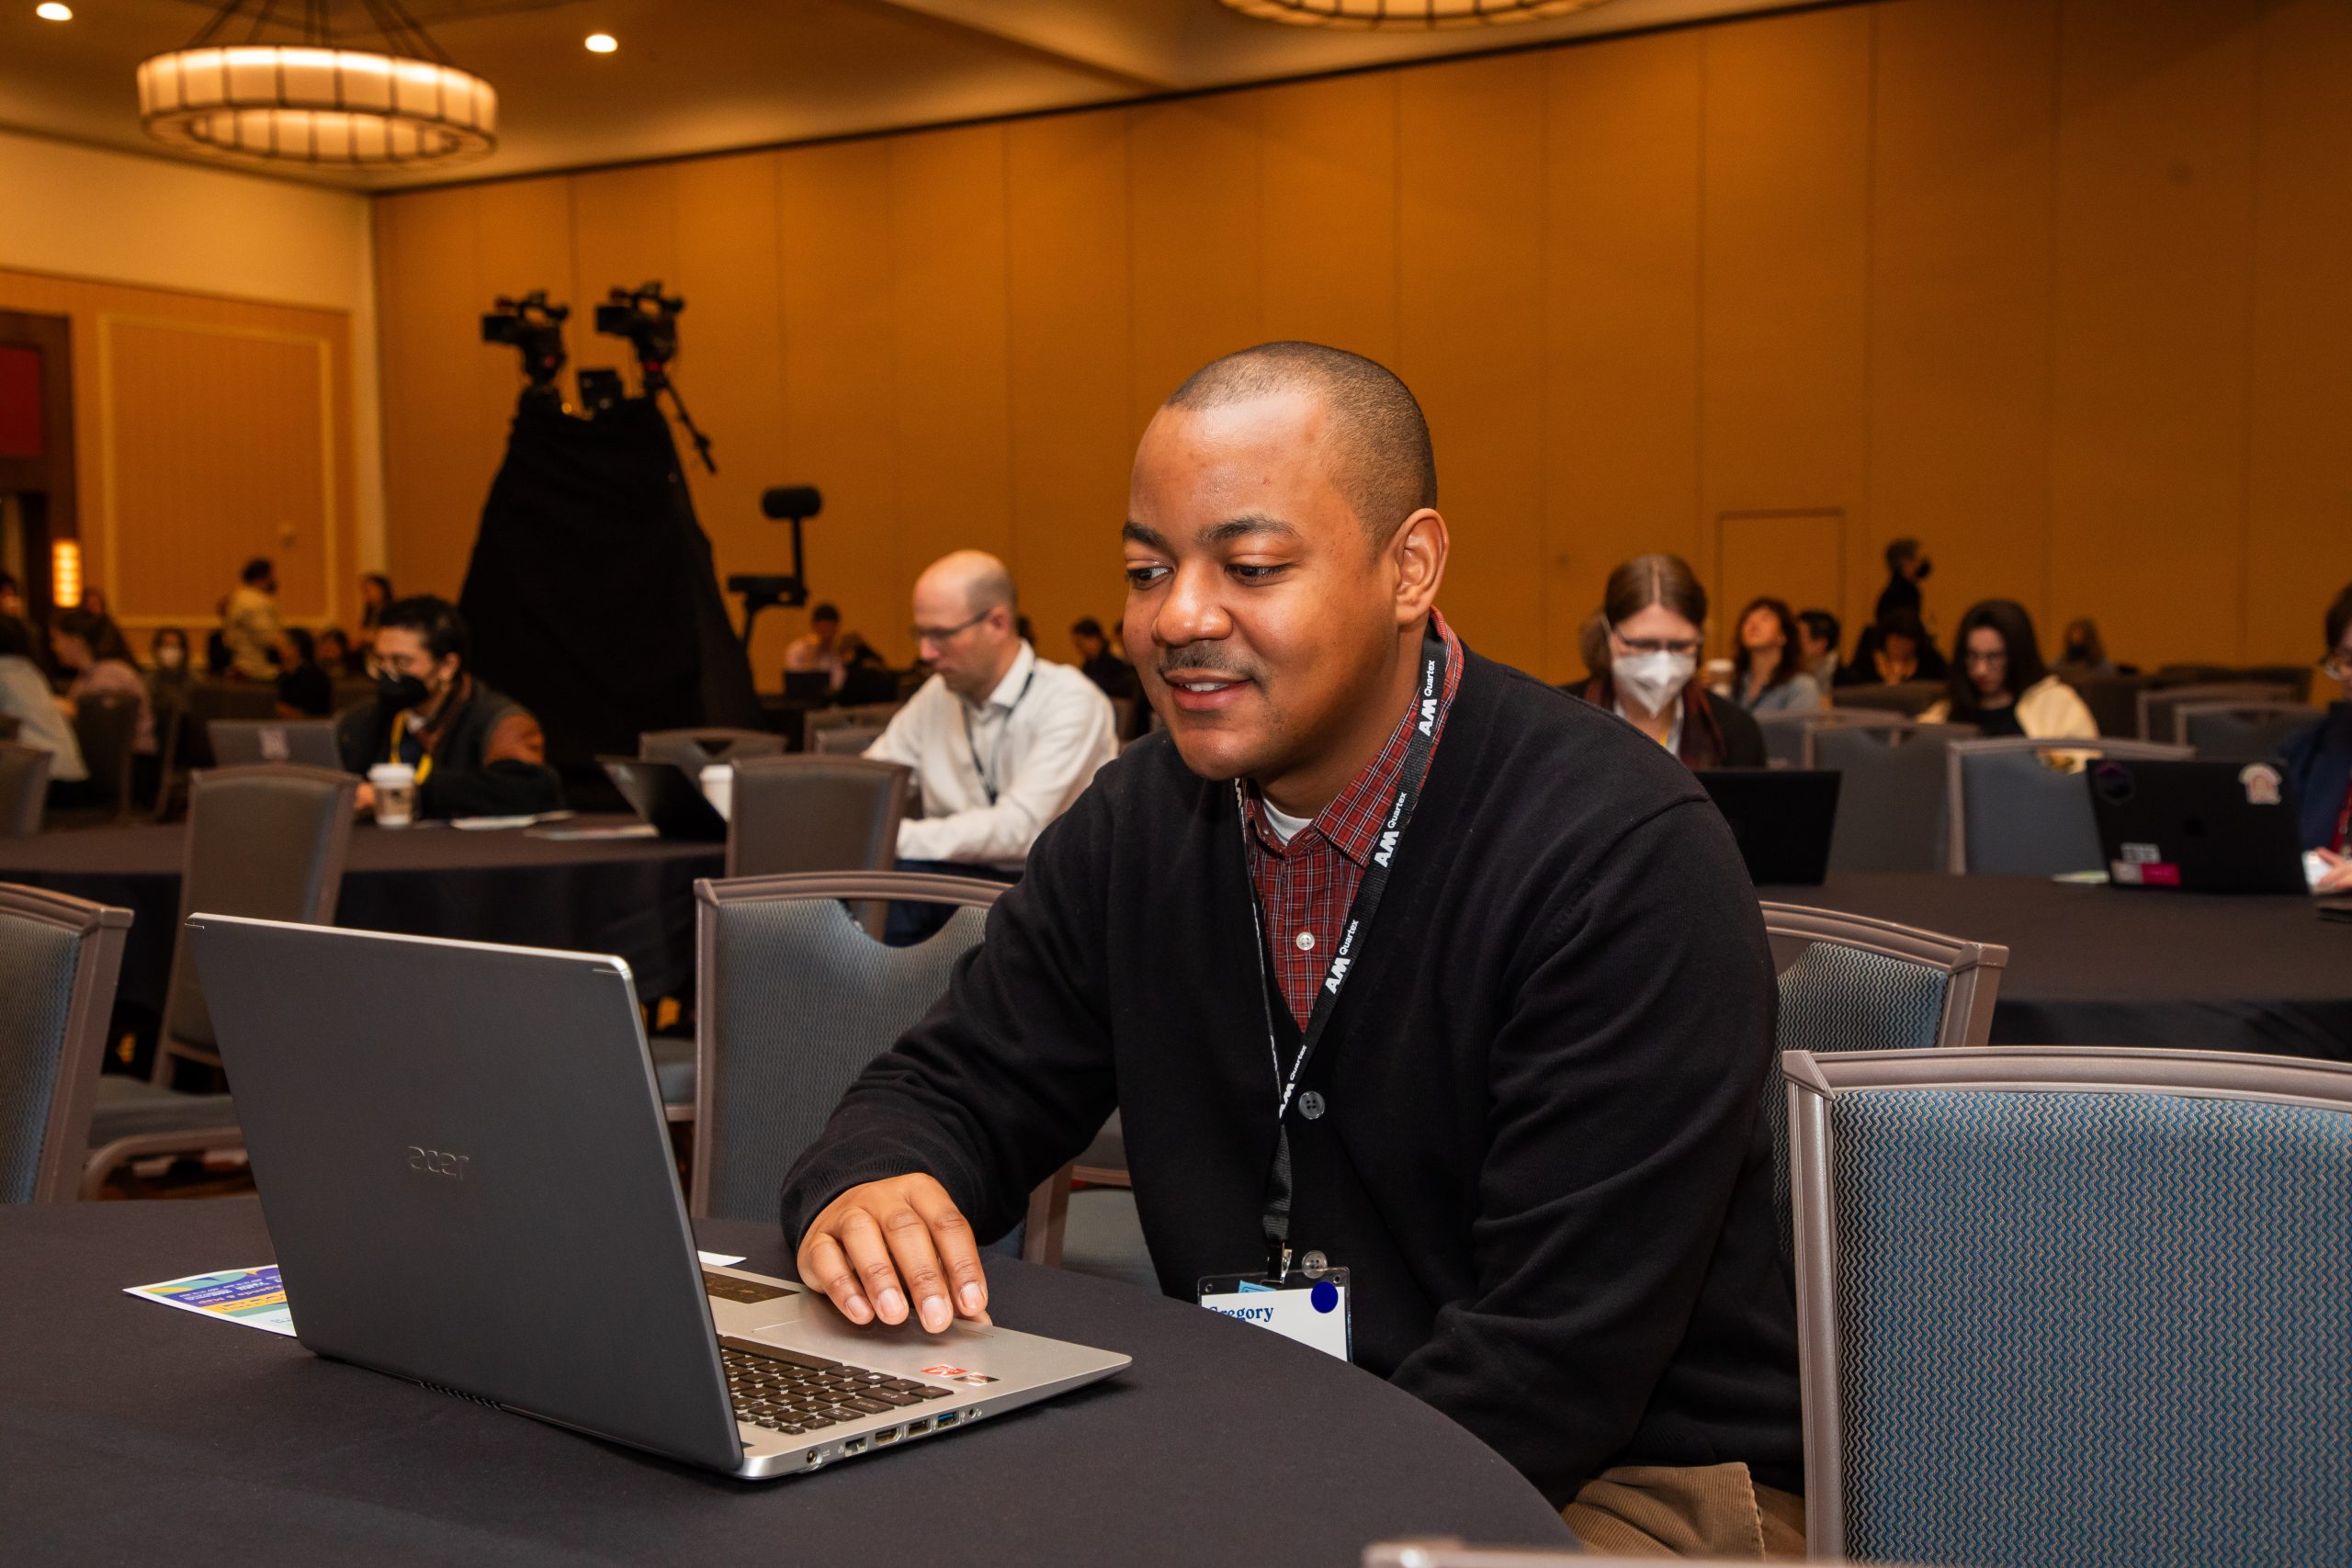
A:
[1782,819]
[462,1157]
[242,742]
[2198,827]
[669,800]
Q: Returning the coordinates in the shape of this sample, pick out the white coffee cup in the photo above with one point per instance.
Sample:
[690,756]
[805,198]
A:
[718,787]
[395,787]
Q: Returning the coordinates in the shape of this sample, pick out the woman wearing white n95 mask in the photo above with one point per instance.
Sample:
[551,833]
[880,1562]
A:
[1656,615]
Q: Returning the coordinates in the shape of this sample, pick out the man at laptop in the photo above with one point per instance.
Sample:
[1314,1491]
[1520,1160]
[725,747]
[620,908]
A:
[1393,959]
[476,753]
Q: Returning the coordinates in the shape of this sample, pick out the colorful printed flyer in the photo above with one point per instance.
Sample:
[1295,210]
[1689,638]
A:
[251,1296]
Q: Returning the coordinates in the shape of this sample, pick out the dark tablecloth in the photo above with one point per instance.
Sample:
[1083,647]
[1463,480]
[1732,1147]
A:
[2094,965]
[632,898]
[130,1432]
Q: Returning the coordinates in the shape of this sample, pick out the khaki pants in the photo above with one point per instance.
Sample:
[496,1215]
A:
[1715,1510]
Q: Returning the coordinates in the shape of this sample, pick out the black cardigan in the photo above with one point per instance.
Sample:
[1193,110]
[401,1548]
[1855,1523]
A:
[1542,1156]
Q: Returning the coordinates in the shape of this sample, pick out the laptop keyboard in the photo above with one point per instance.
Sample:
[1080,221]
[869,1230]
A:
[786,1392]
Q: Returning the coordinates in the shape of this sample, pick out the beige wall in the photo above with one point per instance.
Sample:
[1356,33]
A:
[2055,284]
[225,384]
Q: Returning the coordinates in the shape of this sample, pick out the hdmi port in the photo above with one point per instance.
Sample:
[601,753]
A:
[882,1439]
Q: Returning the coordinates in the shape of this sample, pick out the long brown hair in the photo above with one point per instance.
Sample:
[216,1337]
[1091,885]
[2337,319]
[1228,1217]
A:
[1655,579]
[1791,658]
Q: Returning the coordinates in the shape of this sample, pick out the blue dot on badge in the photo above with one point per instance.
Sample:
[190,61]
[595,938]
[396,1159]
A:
[1325,1295]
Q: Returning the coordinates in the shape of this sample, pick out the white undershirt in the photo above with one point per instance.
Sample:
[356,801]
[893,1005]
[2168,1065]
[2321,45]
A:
[1285,826]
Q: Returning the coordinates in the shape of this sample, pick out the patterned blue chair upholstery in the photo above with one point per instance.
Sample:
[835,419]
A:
[793,998]
[2089,1307]
[1850,983]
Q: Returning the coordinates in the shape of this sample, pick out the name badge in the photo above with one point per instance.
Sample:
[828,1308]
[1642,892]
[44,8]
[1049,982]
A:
[1312,1309]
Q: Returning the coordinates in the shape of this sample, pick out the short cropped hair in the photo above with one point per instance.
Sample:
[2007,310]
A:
[257,569]
[435,622]
[825,612]
[1387,469]
[1899,552]
[1086,626]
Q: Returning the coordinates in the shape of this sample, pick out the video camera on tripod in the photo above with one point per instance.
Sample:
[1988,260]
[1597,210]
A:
[534,327]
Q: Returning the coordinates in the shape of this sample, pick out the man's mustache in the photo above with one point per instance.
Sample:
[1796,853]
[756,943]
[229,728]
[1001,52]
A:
[1202,657]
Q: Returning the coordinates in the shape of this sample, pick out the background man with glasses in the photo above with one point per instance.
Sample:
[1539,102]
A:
[1000,742]
[2319,760]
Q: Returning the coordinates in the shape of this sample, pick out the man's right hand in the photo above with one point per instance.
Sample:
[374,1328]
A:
[876,1247]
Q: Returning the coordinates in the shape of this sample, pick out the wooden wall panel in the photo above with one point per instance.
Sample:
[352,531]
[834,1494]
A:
[1330,252]
[1469,338]
[2054,284]
[207,429]
[2155,196]
[833,243]
[949,369]
[1072,430]
[2299,421]
[1621,311]
[1961,257]
[1784,283]
[1194,238]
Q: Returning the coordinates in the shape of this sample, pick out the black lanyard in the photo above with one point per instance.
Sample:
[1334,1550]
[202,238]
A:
[986,786]
[1421,739]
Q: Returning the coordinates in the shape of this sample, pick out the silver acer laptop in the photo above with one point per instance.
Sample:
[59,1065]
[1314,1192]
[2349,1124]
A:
[462,1158]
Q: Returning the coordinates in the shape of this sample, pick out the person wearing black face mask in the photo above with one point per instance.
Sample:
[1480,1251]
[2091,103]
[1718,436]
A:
[1906,568]
[476,753]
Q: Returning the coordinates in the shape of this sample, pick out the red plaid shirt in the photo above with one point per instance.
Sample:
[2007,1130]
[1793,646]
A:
[1304,886]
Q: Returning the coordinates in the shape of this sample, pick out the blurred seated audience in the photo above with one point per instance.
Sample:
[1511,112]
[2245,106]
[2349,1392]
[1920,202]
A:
[167,666]
[2083,652]
[867,678]
[249,622]
[2318,762]
[1819,639]
[476,753]
[336,656]
[1099,664]
[90,650]
[1771,676]
[305,687]
[25,696]
[818,652]
[1999,684]
[375,598]
[1656,616]
[1893,651]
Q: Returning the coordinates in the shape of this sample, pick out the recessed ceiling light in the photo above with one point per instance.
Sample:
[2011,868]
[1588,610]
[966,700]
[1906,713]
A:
[51,11]
[603,43]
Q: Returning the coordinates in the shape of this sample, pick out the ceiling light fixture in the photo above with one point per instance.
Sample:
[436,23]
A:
[1402,14]
[51,11]
[317,102]
[603,43]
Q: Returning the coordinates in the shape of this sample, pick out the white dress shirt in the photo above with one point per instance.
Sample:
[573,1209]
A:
[992,775]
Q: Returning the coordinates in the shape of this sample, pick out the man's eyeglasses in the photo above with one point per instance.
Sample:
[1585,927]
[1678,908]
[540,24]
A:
[2338,666]
[1687,648]
[937,635]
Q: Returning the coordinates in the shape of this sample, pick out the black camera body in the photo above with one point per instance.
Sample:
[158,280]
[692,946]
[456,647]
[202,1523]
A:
[648,318]
[535,328]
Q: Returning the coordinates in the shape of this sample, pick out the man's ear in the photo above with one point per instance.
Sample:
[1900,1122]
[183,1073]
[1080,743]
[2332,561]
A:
[1417,552]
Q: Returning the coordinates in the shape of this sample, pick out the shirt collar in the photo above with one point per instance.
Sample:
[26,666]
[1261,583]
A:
[1352,822]
[1008,690]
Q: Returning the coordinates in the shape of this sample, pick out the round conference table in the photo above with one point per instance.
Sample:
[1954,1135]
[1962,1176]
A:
[632,898]
[132,1432]
[2099,965]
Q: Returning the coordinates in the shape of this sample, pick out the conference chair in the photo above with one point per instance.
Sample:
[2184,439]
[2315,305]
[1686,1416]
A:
[874,716]
[1852,982]
[181,733]
[2239,732]
[2295,678]
[1784,733]
[695,750]
[2158,705]
[1893,797]
[24,789]
[2090,1306]
[1453,1554]
[845,739]
[793,998]
[814,813]
[2114,700]
[106,726]
[1909,698]
[59,959]
[267,841]
[2021,807]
